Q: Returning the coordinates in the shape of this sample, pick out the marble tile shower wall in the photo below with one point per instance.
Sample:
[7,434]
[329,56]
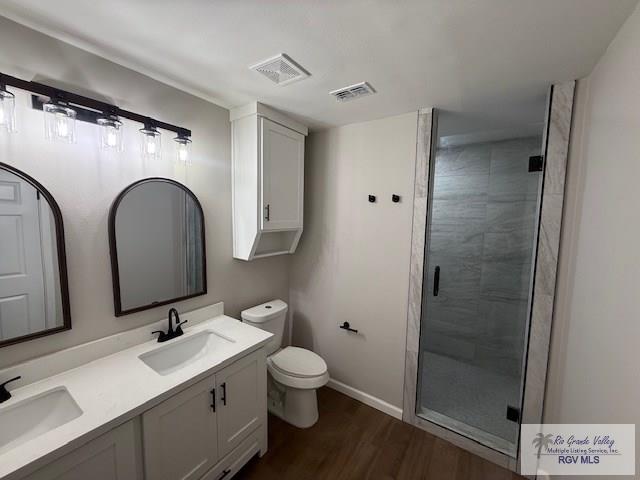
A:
[482,235]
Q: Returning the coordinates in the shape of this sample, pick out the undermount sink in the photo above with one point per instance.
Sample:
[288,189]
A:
[184,351]
[35,416]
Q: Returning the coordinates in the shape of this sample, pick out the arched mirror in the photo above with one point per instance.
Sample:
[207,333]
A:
[34,293]
[156,238]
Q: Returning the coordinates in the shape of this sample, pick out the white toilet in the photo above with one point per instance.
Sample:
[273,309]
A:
[294,373]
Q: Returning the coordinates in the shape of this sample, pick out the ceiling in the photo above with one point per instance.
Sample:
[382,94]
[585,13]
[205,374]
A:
[461,55]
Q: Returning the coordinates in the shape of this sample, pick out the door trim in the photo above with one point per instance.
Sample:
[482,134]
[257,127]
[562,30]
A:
[556,141]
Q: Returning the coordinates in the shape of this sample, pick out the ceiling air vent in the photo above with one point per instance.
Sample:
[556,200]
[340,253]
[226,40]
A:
[281,70]
[352,92]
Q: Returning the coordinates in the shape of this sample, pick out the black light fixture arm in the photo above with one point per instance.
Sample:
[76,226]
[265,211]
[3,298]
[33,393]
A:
[88,109]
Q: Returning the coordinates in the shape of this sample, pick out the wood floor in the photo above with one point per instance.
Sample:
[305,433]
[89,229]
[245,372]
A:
[353,441]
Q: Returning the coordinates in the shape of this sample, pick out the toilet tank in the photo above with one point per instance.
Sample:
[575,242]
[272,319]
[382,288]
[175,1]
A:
[269,316]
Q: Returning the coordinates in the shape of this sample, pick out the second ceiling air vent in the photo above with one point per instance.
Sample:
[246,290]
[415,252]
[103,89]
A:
[352,92]
[280,69]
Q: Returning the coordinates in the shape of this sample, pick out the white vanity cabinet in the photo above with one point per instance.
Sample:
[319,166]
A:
[204,430]
[267,181]
[180,435]
[115,455]
[242,400]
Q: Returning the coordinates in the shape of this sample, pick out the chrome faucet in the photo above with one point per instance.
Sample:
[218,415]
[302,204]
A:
[171,333]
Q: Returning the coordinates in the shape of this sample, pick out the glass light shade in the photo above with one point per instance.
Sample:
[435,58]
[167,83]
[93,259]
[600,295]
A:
[151,145]
[110,134]
[183,150]
[7,111]
[59,123]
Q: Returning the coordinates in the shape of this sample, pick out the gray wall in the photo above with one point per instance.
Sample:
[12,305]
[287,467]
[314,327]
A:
[353,260]
[593,370]
[85,181]
[483,227]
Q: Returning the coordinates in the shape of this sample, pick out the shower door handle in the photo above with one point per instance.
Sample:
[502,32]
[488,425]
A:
[436,281]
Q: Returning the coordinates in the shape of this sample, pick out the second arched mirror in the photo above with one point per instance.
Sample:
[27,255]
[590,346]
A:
[156,238]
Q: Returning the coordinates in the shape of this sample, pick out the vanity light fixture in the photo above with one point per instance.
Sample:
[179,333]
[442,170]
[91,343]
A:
[7,109]
[59,121]
[110,133]
[62,108]
[151,145]
[184,148]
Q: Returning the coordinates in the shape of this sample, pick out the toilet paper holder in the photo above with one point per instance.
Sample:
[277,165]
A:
[347,326]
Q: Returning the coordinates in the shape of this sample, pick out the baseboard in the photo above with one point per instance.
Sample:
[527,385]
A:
[366,398]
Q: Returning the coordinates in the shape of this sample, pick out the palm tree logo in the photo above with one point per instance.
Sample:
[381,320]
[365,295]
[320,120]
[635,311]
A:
[542,441]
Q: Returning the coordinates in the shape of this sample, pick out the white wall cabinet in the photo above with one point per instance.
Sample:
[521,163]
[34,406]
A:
[268,182]
[113,456]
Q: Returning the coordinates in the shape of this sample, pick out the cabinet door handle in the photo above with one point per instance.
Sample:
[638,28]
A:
[268,214]
[224,393]
[224,473]
[213,399]
[436,282]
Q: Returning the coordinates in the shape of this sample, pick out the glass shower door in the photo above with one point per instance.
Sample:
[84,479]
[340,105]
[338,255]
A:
[482,227]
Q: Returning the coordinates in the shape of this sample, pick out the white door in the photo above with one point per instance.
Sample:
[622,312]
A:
[113,456]
[240,402]
[22,308]
[180,438]
[282,176]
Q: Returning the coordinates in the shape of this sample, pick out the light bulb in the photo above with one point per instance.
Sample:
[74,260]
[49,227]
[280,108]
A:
[7,111]
[150,137]
[184,148]
[61,125]
[59,122]
[110,133]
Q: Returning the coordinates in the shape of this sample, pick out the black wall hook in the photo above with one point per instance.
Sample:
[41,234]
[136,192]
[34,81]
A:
[372,199]
[346,326]
[395,198]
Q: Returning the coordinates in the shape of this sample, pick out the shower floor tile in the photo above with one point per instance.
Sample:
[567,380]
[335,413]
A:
[470,396]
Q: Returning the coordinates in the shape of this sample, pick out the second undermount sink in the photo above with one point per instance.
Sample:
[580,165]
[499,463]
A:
[184,351]
[34,416]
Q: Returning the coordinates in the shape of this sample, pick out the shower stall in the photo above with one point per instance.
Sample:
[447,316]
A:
[476,275]
[478,267]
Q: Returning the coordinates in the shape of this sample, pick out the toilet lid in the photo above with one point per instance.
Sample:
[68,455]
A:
[299,362]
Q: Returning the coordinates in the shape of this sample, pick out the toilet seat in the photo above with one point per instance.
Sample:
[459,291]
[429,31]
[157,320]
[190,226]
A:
[298,368]
[299,362]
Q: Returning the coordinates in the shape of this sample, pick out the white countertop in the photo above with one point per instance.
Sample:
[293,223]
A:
[113,389]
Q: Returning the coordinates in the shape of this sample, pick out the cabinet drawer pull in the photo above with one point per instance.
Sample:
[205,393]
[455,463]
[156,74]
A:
[213,399]
[268,215]
[224,393]
[224,473]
